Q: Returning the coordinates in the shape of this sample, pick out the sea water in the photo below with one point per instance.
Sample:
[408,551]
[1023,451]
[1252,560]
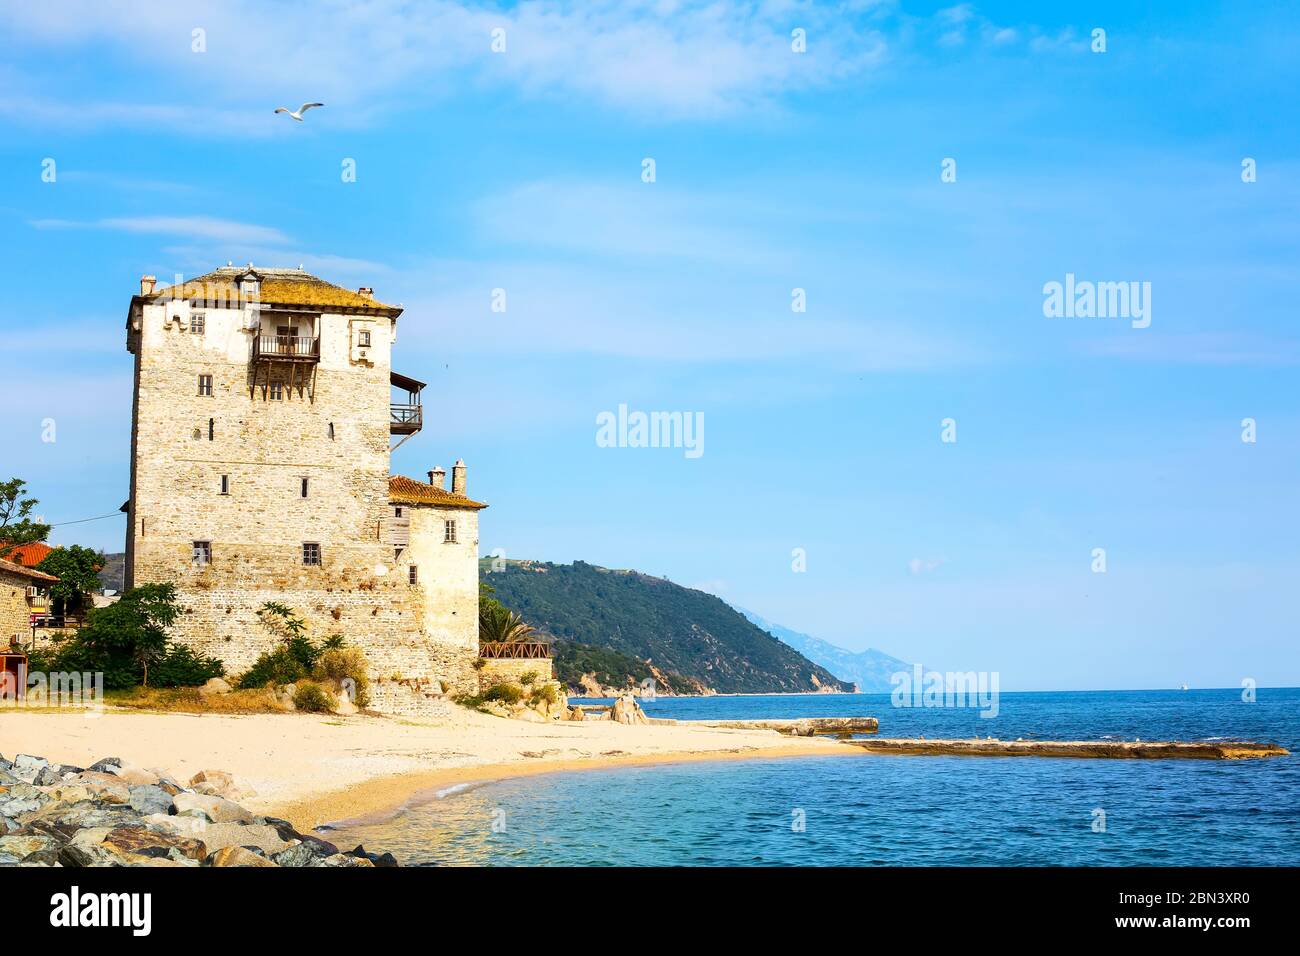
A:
[873,810]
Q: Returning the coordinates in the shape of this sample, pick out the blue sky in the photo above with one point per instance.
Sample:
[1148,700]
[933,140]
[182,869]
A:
[521,170]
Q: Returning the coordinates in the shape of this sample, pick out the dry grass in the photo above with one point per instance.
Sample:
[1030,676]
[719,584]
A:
[188,700]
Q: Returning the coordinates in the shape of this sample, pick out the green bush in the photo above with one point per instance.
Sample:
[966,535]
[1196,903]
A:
[181,667]
[545,692]
[341,664]
[505,693]
[293,660]
[528,678]
[313,698]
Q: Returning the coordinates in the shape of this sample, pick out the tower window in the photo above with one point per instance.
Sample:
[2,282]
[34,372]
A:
[225,484]
[277,391]
[303,489]
[449,532]
[212,428]
[413,574]
[205,385]
[202,553]
[363,338]
[311,554]
[197,322]
[397,511]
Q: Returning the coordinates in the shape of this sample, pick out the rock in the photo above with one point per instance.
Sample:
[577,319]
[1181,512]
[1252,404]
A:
[216,809]
[577,713]
[214,686]
[627,710]
[135,776]
[237,856]
[7,779]
[530,715]
[76,856]
[21,798]
[106,764]
[218,783]
[103,786]
[48,777]
[27,767]
[343,859]
[46,857]
[141,841]
[150,799]
[300,854]
[220,835]
[343,704]
[181,826]
[22,845]
[5,764]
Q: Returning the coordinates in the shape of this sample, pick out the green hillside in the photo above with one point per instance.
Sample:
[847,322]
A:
[696,641]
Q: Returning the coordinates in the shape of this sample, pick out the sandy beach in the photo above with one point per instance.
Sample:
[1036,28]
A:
[312,770]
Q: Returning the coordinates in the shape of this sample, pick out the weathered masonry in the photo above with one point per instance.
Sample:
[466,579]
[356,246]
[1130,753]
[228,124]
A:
[265,404]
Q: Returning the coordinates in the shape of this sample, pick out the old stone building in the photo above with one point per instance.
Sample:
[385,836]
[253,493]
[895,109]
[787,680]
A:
[261,434]
[23,592]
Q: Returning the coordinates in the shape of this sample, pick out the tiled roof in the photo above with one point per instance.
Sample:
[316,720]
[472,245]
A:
[25,572]
[28,555]
[409,491]
[278,287]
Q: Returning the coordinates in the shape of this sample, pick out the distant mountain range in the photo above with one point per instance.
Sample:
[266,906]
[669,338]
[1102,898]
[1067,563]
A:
[870,670]
[613,627]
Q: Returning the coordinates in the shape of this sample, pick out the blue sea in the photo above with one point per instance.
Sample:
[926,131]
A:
[868,810]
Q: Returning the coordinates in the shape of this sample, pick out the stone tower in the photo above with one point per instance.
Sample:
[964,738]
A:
[260,472]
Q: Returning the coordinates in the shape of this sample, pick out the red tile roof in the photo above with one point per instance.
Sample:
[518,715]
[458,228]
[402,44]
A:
[410,491]
[28,555]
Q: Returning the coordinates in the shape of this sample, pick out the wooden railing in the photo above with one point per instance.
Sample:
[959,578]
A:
[301,348]
[405,418]
[495,650]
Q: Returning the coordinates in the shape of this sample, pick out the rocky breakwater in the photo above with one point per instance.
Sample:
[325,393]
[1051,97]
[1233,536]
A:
[115,814]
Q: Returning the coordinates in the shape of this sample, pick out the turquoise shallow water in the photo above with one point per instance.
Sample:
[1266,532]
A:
[873,810]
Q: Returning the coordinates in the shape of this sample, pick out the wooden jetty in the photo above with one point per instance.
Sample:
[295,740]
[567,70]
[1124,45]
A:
[1105,749]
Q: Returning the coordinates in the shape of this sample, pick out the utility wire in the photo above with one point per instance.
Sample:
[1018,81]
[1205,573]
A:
[59,524]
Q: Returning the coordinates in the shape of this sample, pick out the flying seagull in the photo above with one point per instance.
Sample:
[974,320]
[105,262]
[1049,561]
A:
[302,109]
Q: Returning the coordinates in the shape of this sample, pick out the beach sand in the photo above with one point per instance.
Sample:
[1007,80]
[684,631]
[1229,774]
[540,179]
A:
[313,769]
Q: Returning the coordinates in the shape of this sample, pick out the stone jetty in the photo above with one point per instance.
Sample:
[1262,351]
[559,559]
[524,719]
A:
[1105,749]
[797,726]
[114,814]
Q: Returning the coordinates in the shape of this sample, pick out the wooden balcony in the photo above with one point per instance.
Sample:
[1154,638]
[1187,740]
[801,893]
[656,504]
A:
[514,650]
[286,348]
[404,419]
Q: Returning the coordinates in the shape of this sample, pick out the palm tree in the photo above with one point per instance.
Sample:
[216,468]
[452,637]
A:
[501,625]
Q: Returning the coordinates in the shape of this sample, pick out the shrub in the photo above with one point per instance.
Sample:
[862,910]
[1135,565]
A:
[505,693]
[181,667]
[313,698]
[528,678]
[479,664]
[342,664]
[293,660]
[545,692]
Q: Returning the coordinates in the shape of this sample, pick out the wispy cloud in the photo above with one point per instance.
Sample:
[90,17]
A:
[204,227]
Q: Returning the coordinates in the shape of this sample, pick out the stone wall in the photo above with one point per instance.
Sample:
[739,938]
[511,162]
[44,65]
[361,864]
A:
[15,615]
[508,671]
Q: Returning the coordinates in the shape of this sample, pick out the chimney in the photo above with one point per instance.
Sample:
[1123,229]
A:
[438,477]
[366,292]
[458,477]
[147,284]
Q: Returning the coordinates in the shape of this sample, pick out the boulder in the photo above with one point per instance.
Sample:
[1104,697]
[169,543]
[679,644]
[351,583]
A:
[577,713]
[213,687]
[27,767]
[181,826]
[142,841]
[343,704]
[135,776]
[627,710]
[150,799]
[237,856]
[106,764]
[343,859]
[218,836]
[103,786]
[22,845]
[216,809]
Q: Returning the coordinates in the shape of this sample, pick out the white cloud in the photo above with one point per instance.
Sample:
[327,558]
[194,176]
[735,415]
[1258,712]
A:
[919,566]
[687,58]
[203,227]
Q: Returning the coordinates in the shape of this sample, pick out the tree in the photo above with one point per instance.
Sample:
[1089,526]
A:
[16,528]
[77,569]
[501,624]
[135,628]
